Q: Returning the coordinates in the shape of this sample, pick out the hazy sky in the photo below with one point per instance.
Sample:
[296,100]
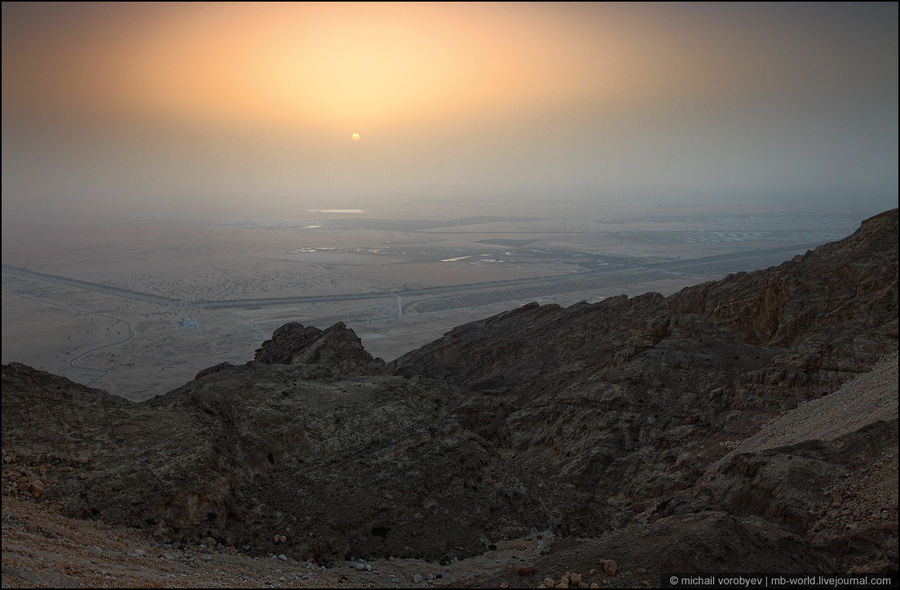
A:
[248,109]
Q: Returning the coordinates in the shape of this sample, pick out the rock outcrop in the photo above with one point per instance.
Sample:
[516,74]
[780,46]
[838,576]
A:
[337,350]
[628,400]
[375,466]
[628,424]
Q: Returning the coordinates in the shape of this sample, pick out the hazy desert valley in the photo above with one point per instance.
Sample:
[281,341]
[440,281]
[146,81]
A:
[736,424]
[449,294]
[137,308]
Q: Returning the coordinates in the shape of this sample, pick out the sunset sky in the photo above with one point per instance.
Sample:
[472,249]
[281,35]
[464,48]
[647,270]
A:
[249,109]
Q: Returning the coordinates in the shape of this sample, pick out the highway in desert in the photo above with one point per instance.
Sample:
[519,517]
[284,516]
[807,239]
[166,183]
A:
[461,295]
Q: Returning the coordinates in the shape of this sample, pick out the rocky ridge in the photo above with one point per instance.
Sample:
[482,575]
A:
[618,426]
[337,351]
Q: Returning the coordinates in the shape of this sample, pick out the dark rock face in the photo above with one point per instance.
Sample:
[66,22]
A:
[614,396]
[338,349]
[807,324]
[287,341]
[599,420]
[213,369]
[708,541]
[364,467]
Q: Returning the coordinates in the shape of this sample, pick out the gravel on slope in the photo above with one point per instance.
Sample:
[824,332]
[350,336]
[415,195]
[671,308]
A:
[868,398]
[42,548]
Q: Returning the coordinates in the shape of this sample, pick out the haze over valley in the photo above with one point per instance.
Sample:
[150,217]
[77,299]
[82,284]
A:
[448,294]
[166,165]
[139,307]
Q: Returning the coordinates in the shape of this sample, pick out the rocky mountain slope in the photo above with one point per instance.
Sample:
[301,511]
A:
[625,426]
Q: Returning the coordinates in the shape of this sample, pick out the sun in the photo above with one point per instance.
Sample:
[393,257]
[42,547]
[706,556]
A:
[355,137]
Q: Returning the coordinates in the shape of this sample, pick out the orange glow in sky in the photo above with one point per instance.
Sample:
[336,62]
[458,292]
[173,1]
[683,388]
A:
[334,64]
[240,104]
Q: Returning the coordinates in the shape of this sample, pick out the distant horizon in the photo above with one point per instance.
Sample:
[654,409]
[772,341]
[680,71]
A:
[860,208]
[201,111]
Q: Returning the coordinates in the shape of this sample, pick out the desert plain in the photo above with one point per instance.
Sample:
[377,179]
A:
[139,307]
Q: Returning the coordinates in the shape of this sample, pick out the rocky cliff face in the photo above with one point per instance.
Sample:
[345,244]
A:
[337,351]
[616,416]
[630,398]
